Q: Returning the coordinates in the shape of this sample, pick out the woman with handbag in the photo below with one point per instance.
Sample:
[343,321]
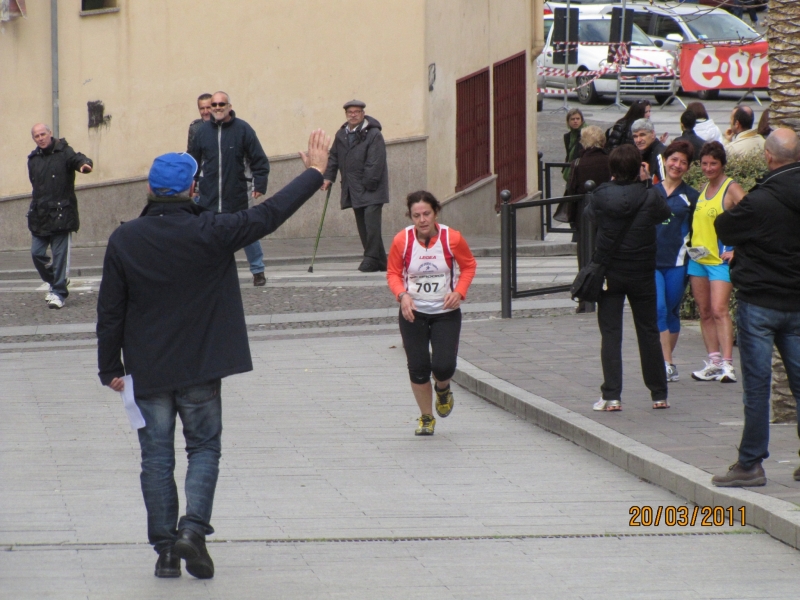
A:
[626,212]
[672,240]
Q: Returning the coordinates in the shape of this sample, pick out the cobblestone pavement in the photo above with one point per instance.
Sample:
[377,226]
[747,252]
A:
[325,492]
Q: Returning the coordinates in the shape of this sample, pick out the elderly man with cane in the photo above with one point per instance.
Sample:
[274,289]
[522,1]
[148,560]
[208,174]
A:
[171,307]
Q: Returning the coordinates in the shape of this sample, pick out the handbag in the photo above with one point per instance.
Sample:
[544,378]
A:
[565,211]
[590,280]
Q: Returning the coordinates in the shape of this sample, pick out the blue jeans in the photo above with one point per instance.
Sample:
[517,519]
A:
[255,256]
[56,272]
[759,328]
[200,408]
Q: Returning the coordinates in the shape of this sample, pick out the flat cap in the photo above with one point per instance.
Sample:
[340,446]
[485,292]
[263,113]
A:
[356,103]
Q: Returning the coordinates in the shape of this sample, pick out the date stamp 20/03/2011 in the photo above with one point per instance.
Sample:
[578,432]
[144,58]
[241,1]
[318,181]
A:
[686,516]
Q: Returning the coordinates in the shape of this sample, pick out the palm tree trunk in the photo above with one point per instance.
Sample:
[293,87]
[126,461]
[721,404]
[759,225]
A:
[783,35]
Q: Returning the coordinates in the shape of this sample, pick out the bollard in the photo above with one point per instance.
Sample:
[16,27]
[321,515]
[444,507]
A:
[505,255]
[586,241]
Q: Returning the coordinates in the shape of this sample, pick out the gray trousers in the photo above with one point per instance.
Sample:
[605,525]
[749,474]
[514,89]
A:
[368,221]
[56,272]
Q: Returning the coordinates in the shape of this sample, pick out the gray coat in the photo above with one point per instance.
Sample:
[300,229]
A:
[365,177]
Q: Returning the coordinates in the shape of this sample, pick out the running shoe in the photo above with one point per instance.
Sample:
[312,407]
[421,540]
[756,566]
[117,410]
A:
[672,372]
[607,405]
[728,373]
[444,402]
[55,301]
[711,372]
[426,425]
[48,297]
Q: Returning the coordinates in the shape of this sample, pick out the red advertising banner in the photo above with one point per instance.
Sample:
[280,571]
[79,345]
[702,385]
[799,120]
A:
[724,66]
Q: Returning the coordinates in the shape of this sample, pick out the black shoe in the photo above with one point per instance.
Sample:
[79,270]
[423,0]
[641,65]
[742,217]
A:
[259,279]
[168,564]
[192,548]
[796,474]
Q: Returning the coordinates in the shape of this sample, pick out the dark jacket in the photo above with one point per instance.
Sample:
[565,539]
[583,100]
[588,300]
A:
[765,229]
[610,207]
[54,207]
[618,134]
[674,233]
[591,166]
[695,140]
[243,160]
[170,299]
[651,156]
[365,177]
[193,127]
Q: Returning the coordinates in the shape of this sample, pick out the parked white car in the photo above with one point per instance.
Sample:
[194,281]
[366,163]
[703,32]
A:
[670,26]
[649,73]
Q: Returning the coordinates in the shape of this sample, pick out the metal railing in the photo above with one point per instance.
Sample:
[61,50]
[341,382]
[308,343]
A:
[545,177]
[508,249]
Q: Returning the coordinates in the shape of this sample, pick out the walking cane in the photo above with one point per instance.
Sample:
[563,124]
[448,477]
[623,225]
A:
[319,231]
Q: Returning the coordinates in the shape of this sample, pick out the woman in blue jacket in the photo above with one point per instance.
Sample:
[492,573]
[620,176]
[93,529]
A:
[673,236]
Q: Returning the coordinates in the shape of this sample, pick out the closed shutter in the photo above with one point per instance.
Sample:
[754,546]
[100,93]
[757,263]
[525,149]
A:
[510,135]
[472,129]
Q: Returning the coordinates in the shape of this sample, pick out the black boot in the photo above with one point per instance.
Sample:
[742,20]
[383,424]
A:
[191,547]
[168,564]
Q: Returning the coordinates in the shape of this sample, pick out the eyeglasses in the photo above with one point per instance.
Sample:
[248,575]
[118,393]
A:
[219,104]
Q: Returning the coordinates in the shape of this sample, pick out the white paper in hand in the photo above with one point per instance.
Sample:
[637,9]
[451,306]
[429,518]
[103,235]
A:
[134,414]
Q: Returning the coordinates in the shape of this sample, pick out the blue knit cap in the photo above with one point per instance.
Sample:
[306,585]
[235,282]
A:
[172,173]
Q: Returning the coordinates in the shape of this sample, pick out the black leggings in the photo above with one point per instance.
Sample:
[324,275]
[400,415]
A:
[431,344]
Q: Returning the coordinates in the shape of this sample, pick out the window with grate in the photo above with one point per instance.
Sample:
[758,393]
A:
[472,129]
[510,134]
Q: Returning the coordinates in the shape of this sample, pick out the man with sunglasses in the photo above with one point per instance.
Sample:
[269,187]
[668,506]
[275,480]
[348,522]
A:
[359,152]
[233,169]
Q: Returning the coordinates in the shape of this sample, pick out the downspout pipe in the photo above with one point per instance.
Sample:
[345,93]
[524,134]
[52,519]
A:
[54,63]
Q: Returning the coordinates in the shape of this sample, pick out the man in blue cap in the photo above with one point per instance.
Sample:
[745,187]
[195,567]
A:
[170,315]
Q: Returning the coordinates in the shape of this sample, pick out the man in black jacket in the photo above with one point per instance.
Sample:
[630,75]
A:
[170,303]
[765,271]
[359,152]
[688,121]
[53,214]
[644,137]
[232,163]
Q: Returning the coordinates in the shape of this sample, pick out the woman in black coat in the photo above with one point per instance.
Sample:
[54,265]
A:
[630,273]
[620,132]
[575,123]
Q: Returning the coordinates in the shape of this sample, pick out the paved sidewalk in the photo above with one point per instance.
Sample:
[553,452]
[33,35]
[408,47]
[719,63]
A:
[558,358]
[325,492]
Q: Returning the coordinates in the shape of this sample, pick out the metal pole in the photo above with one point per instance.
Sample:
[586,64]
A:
[566,63]
[617,100]
[505,254]
[54,63]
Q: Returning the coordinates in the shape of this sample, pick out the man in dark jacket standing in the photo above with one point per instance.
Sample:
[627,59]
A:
[688,121]
[359,152]
[644,137]
[765,271]
[53,214]
[231,160]
[170,303]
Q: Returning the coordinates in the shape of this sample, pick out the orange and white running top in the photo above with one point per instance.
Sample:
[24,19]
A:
[428,274]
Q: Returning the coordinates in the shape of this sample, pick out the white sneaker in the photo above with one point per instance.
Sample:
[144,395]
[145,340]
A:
[49,297]
[728,373]
[672,372]
[711,372]
[607,405]
[55,302]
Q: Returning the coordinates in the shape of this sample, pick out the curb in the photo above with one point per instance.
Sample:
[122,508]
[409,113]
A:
[541,249]
[778,518]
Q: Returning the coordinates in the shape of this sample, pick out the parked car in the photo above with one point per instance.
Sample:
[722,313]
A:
[669,26]
[645,75]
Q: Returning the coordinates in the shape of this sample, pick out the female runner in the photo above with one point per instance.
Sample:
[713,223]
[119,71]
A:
[422,276]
